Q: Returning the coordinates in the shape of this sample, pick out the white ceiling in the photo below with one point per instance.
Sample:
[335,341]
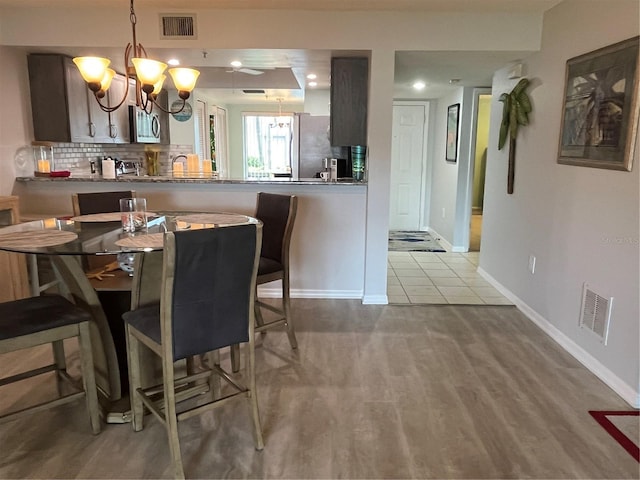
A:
[434,68]
[514,6]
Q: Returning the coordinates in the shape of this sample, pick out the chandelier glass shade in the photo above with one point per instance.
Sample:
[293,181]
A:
[148,75]
[280,121]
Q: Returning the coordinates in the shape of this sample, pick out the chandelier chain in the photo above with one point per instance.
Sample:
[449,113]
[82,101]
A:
[145,94]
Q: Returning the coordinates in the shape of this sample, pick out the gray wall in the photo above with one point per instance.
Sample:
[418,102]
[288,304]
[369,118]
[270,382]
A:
[580,223]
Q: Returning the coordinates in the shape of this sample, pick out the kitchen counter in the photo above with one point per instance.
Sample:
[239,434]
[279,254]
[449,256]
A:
[327,252]
[201,180]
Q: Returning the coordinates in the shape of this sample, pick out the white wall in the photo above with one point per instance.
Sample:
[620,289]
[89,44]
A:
[316,102]
[444,175]
[580,223]
[16,126]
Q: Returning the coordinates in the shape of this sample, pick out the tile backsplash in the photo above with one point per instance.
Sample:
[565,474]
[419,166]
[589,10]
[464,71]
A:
[77,157]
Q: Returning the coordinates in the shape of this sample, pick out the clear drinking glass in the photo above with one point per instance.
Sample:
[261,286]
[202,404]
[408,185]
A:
[134,214]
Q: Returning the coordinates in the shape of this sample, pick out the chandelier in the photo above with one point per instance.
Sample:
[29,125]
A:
[148,74]
[280,121]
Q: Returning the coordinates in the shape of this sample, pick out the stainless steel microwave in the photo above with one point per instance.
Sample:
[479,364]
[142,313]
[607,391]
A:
[143,127]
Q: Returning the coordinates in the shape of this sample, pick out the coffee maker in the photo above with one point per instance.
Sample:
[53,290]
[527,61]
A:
[337,168]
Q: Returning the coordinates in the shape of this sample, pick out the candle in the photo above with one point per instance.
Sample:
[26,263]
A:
[178,169]
[207,168]
[193,164]
[44,166]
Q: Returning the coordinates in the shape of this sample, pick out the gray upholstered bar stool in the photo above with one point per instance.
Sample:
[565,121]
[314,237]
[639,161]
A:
[277,214]
[34,321]
[207,303]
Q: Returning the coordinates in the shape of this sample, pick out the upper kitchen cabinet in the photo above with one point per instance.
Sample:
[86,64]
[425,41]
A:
[118,119]
[349,97]
[64,109]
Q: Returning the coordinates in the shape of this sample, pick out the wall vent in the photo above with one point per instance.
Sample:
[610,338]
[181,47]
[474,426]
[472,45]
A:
[173,26]
[595,314]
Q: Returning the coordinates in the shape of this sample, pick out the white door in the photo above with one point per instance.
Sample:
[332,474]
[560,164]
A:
[407,166]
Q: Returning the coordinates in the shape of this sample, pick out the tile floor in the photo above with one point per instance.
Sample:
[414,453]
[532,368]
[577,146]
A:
[440,278]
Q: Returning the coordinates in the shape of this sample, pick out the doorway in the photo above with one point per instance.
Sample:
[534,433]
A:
[408,178]
[479,169]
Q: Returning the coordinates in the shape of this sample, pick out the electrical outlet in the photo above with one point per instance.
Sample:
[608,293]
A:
[532,264]
[443,214]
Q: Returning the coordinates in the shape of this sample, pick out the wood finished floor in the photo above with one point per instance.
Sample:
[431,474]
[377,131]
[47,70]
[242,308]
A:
[373,392]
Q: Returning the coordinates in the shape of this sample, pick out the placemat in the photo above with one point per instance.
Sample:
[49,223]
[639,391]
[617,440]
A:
[213,218]
[104,217]
[36,238]
[151,240]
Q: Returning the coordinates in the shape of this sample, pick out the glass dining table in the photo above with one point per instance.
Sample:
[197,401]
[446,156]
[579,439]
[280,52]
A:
[67,241]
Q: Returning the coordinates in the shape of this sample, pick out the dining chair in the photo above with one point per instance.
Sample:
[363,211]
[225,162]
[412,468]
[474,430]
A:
[115,293]
[98,202]
[14,279]
[34,321]
[206,303]
[277,214]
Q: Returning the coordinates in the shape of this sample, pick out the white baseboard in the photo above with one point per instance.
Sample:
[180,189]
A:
[276,292]
[375,300]
[443,243]
[623,389]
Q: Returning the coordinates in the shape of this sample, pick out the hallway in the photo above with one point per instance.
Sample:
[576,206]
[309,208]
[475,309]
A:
[438,278]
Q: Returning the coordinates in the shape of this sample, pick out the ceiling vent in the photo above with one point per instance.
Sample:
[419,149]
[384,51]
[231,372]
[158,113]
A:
[254,92]
[178,26]
[595,314]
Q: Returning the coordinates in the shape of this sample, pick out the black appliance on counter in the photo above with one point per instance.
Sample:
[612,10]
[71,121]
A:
[127,167]
[337,167]
[143,127]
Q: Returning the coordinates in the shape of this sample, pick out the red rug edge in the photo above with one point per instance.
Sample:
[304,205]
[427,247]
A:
[600,416]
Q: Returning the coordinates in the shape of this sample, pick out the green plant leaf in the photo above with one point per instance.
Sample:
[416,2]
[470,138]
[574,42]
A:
[521,115]
[525,102]
[520,87]
[513,117]
[515,112]
[504,130]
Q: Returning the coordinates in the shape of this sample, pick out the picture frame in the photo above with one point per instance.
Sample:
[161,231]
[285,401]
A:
[600,108]
[453,119]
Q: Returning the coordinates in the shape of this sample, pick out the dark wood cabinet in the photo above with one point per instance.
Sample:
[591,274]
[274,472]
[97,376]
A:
[118,120]
[349,98]
[65,110]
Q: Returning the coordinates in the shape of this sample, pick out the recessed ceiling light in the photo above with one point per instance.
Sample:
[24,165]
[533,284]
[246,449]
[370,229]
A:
[453,81]
[173,62]
[312,76]
[236,63]
[313,84]
[419,85]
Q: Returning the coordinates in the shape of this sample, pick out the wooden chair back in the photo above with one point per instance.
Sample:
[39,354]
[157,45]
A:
[14,279]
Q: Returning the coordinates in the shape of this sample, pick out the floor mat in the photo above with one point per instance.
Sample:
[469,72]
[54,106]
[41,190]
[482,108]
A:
[413,241]
[624,430]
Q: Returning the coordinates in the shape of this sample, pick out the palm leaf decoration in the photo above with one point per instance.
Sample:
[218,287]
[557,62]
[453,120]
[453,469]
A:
[515,112]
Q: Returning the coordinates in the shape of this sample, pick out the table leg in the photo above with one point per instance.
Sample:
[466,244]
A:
[105,357]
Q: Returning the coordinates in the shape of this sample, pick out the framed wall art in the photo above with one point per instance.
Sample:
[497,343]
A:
[600,109]
[453,118]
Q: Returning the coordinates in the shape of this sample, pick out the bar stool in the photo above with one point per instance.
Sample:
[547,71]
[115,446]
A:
[34,321]
[207,303]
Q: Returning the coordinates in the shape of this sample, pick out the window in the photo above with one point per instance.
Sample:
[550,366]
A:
[268,142]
